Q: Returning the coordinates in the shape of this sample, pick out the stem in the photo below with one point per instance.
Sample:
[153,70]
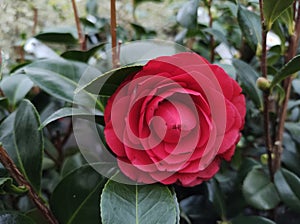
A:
[266,95]
[35,20]
[113,32]
[293,45]
[78,27]
[212,40]
[18,176]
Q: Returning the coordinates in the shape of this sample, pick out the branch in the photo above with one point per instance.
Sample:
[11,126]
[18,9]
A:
[292,50]
[78,27]
[266,95]
[212,40]
[20,179]
[35,20]
[113,33]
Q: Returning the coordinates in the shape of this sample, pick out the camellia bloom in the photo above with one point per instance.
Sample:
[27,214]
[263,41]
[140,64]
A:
[175,120]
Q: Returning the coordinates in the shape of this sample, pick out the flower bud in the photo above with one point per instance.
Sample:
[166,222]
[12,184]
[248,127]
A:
[263,84]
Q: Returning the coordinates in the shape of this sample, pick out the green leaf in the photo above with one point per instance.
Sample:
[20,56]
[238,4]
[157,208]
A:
[288,69]
[91,7]
[111,79]
[216,196]
[290,154]
[294,130]
[16,87]
[273,9]
[251,220]
[60,78]
[137,204]
[288,19]
[288,187]
[61,35]
[218,35]
[7,186]
[74,112]
[187,14]
[259,191]
[248,77]
[72,163]
[250,25]
[82,56]
[137,2]
[75,200]
[7,217]
[23,141]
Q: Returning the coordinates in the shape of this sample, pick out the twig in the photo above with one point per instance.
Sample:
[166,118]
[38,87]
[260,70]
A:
[81,36]
[212,39]
[293,44]
[35,20]
[17,175]
[113,33]
[266,95]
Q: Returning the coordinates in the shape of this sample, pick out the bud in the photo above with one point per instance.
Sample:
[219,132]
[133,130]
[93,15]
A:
[263,84]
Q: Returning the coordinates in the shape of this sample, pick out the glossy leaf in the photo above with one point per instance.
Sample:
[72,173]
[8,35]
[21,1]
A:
[259,191]
[137,2]
[111,79]
[250,25]
[294,130]
[218,35]
[14,218]
[290,154]
[75,200]
[216,196]
[60,78]
[251,220]
[137,204]
[7,186]
[29,143]
[74,112]
[72,163]
[273,9]
[288,187]
[24,148]
[91,7]
[248,76]
[16,87]
[288,19]
[82,56]
[187,14]
[62,35]
[290,68]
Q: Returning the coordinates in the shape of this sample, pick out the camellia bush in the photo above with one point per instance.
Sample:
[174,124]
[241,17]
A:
[103,123]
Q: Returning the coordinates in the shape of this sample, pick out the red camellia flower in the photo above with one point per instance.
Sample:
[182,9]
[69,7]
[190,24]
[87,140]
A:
[174,120]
